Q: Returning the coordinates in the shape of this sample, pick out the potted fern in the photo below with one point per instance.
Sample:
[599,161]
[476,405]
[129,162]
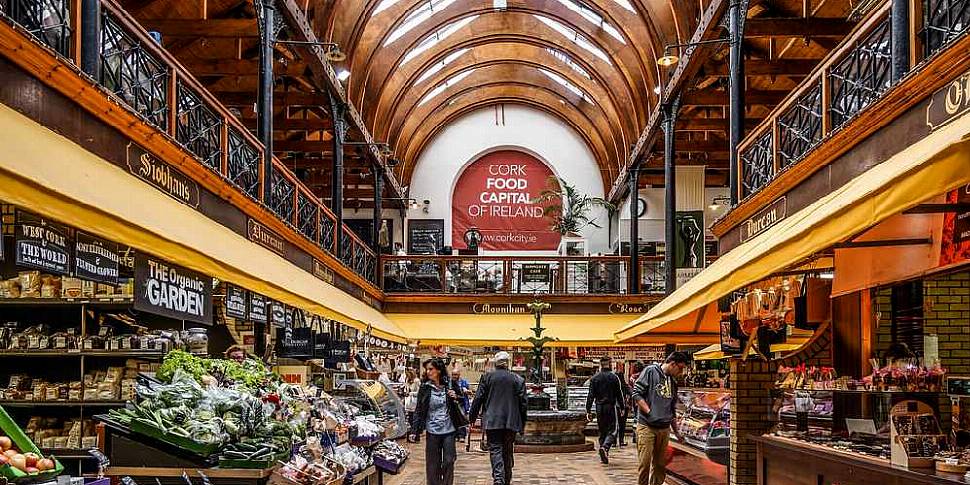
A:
[569,210]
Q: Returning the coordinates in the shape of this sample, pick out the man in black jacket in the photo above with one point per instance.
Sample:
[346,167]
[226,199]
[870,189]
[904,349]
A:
[502,404]
[606,390]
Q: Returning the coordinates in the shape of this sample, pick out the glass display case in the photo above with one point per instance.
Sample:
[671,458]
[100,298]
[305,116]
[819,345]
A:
[704,418]
[374,397]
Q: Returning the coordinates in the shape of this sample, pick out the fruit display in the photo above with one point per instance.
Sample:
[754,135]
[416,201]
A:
[29,462]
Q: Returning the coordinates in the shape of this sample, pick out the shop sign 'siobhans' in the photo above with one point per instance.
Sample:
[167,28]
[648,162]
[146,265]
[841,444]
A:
[949,102]
[95,259]
[266,238]
[172,291]
[176,184]
[42,244]
[235,302]
[764,219]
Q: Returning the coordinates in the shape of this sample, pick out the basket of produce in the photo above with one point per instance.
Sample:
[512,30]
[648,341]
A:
[250,454]
[390,457]
[21,460]
[300,471]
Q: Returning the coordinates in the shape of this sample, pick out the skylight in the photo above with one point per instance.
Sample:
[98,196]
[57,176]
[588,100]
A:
[445,85]
[384,5]
[436,37]
[424,12]
[574,36]
[595,18]
[566,84]
[623,3]
[431,71]
[565,59]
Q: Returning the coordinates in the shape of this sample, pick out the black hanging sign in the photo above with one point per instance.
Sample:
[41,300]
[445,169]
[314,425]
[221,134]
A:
[277,314]
[535,272]
[235,302]
[95,259]
[42,244]
[172,291]
[337,351]
[257,308]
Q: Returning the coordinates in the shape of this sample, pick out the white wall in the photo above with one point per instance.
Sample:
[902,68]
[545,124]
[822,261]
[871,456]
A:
[524,129]
[651,225]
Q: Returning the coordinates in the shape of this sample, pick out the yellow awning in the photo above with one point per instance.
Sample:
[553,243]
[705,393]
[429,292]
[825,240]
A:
[934,165]
[48,174]
[572,330]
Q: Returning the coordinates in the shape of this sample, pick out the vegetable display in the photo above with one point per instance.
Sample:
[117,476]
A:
[242,410]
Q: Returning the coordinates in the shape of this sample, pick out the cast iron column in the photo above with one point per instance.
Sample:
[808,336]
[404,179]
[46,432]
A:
[337,109]
[633,179]
[736,14]
[670,195]
[378,205]
[899,33]
[91,37]
[264,124]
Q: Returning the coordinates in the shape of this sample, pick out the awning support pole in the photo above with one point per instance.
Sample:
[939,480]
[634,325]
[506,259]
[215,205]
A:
[899,35]
[378,206]
[633,178]
[265,100]
[337,109]
[737,11]
[670,110]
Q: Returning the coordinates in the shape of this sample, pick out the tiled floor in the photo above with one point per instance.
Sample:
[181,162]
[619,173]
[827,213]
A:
[555,469]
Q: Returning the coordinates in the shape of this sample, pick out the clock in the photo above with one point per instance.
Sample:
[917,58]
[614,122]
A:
[641,207]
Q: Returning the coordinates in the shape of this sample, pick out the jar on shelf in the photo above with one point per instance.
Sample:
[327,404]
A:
[197,341]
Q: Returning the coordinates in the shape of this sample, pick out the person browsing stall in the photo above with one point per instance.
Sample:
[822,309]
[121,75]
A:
[655,395]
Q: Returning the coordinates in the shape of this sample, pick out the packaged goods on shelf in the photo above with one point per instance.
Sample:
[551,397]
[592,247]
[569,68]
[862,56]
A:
[34,284]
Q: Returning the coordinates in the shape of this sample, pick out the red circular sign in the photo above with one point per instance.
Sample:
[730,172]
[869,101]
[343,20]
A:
[494,194]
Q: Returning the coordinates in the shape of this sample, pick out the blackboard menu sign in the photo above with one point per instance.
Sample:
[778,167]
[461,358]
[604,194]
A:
[535,273]
[425,236]
[42,244]
[257,308]
[235,302]
[172,291]
[338,351]
[95,259]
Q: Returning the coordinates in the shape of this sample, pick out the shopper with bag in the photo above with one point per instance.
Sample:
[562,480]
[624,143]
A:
[502,403]
[439,413]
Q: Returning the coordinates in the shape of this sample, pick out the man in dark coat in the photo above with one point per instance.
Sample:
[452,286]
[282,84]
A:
[502,404]
[606,390]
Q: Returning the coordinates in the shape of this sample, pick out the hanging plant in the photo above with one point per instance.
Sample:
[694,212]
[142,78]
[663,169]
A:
[568,207]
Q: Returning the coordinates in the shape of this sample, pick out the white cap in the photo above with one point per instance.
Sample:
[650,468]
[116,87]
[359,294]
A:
[502,356]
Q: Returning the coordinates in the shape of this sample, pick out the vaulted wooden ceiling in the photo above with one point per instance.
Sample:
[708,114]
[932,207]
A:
[414,66]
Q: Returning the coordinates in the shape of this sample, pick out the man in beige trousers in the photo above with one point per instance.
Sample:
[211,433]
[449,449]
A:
[655,394]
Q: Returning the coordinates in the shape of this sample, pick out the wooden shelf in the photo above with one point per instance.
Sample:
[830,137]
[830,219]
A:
[67,453]
[101,301]
[145,354]
[13,403]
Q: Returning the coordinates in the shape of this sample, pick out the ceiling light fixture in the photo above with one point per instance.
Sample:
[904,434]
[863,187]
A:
[719,202]
[343,74]
[669,58]
[334,54]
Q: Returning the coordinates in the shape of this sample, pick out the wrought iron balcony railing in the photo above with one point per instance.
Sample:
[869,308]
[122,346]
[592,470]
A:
[847,82]
[597,275]
[144,77]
